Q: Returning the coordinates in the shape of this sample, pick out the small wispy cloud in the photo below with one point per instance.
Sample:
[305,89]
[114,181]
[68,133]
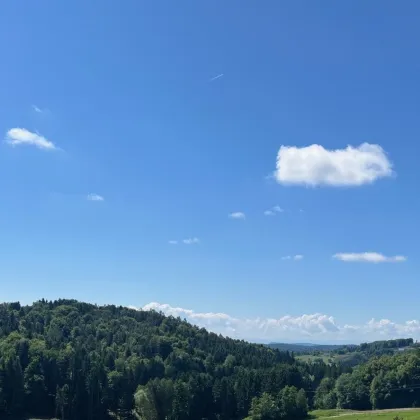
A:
[36,109]
[238,215]
[297,257]
[191,241]
[95,197]
[369,257]
[216,77]
[41,111]
[173,242]
[273,211]
[22,136]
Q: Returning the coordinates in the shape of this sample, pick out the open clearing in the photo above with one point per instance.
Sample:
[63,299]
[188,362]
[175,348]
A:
[404,413]
[326,358]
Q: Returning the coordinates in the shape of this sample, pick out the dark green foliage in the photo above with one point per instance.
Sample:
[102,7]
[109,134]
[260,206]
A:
[325,395]
[74,360]
[382,382]
[288,404]
[78,361]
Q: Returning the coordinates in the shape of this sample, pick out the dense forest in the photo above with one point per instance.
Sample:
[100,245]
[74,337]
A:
[73,360]
[382,382]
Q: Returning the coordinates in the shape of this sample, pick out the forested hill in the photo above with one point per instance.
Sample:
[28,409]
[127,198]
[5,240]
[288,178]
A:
[81,361]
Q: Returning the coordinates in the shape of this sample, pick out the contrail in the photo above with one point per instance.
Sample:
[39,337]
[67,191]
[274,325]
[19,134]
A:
[216,77]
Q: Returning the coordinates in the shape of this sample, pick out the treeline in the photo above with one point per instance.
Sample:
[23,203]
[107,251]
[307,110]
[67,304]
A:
[74,360]
[305,348]
[382,382]
[79,361]
[377,348]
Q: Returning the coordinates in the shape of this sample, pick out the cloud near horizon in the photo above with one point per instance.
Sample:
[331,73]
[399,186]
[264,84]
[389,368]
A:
[314,327]
[22,136]
[369,257]
[314,165]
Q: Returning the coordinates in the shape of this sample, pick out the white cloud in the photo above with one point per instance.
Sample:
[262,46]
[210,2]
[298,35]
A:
[173,242]
[314,327]
[370,257]
[19,136]
[95,197]
[314,165]
[37,109]
[297,257]
[237,215]
[273,211]
[191,241]
[41,111]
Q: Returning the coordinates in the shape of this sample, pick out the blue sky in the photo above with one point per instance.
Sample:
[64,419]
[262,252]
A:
[128,125]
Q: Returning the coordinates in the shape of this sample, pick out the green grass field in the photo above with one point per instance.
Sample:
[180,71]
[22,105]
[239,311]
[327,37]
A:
[402,413]
[326,358]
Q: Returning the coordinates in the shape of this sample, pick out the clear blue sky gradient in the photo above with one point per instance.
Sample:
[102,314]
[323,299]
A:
[126,93]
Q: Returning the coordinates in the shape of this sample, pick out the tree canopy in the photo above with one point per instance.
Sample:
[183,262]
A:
[79,361]
[73,360]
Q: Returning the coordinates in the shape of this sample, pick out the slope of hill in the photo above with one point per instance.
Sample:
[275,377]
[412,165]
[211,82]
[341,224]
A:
[80,361]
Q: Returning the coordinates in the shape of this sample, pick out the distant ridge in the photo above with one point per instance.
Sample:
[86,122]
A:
[305,347]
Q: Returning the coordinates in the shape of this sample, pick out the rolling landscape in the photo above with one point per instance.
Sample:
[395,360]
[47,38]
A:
[74,360]
[346,354]
[208,210]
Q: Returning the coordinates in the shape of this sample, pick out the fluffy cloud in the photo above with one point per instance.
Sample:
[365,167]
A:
[314,327]
[191,241]
[237,215]
[173,242]
[21,136]
[314,165]
[297,257]
[273,211]
[95,197]
[370,257]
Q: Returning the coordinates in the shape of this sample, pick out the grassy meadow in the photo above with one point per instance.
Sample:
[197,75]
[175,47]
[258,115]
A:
[401,413]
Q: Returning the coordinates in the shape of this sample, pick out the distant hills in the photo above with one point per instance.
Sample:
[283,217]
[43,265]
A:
[307,347]
[345,354]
